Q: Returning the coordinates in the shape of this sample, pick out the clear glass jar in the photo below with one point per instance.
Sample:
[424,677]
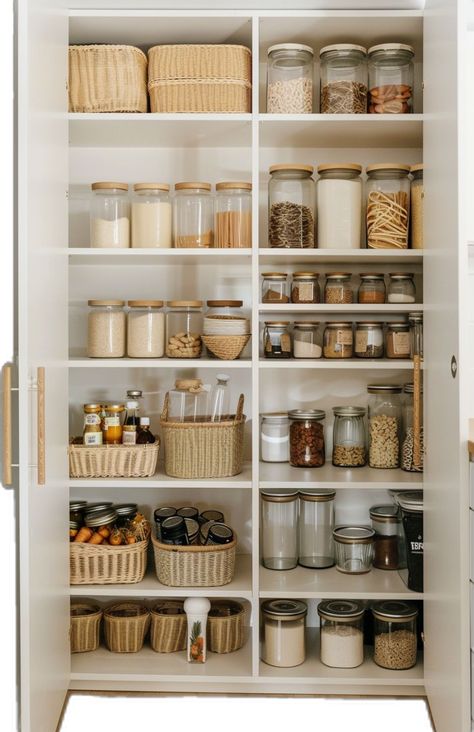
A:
[284,632]
[92,433]
[307,340]
[349,437]
[276,339]
[388,544]
[113,424]
[233,216]
[371,289]
[416,334]
[305,288]
[411,504]
[368,339]
[388,206]
[188,401]
[291,206]
[395,635]
[338,340]
[342,633]
[184,328]
[338,289]
[401,288]
[290,79]
[397,340]
[344,79]
[384,412]
[152,216]
[339,196]
[307,438]
[275,438]
[354,548]
[391,79]
[315,527]
[279,528]
[275,287]
[411,459]
[416,206]
[110,215]
[102,524]
[106,329]
[146,329]
[193,216]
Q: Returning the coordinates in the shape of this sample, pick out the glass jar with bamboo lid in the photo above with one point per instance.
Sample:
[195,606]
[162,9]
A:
[194,215]
[110,215]
[291,206]
[233,216]
[417,198]
[388,206]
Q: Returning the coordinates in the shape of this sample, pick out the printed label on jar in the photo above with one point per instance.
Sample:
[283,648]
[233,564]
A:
[111,422]
[344,337]
[93,438]
[361,341]
[401,343]
[129,437]
[91,419]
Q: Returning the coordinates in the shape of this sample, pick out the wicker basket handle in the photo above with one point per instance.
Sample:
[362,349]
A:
[166,406]
[240,408]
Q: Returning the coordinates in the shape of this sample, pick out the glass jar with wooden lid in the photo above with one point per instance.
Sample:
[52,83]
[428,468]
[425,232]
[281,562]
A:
[233,217]
[338,341]
[151,216]
[106,329]
[307,339]
[401,288]
[338,289]
[291,206]
[391,78]
[276,339]
[371,289]
[388,205]
[305,288]
[339,199]
[275,287]
[397,340]
[344,79]
[368,342]
[146,329]
[194,215]
[110,215]
[184,328]
[416,204]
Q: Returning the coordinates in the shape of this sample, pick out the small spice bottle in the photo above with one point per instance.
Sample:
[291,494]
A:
[397,340]
[354,547]
[307,340]
[276,339]
[401,288]
[211,514]
[284,632]
[395,637]
[305,288]
[110,215]
[145,437]
[219,534]
[338,289]
[349,437]
[386,522]
[417,201]
[368,339]
[160,514]
[106,328]
[92,434]
[275,287]
[279,528]
[173,531]
[338,340]
[371,289]
[342,636]
[307,438]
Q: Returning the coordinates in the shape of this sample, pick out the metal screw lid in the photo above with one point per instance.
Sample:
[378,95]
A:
[349,411]
[317,494]
[353,535]
[386,512]
[300,414]
[279,495]
[100,518]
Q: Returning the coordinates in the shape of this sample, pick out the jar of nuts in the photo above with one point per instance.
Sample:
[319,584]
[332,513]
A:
[338,290]
[349,437]
[306,438]
[384,425]
[338,340]
[371,288]
[305,288]
[184,328]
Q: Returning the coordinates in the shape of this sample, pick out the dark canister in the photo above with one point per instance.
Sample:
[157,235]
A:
[211,515]
[173,531]
[388,545]
[188,512]
[411,503]
[219,534]
[76,511]
[160,514]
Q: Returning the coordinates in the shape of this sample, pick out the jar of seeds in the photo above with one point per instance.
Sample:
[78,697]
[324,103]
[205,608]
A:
[384,412]
[395,638]
[338,289]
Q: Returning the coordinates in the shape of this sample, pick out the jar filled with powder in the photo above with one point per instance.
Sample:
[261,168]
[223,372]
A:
[307,340]
[284,632]
[342,637]
[110,215]
[151,216]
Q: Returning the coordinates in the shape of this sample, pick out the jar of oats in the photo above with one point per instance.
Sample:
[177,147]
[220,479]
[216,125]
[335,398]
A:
[106,329]
[384,410]
[146,329]
[338,340]
[338,289]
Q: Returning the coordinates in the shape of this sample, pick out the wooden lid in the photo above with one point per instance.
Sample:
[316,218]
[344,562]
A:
[291,166]
[306,323]
[277,322]
[107,184]
[145,303]
[340,166]
[417,167]
[338,274]
[184,303]
[151,187]
[193,185]
[106,303]
[388,166]
[225,303]
[233,184]
[304,275]
[274,274]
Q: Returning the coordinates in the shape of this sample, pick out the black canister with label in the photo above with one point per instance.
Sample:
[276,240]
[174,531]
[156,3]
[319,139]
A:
[411,504]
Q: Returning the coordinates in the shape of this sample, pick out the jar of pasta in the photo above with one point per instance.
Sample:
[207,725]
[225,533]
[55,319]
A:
[184,325]
[338,340]
[290,79]
[388,206]
[291,206]
[338,289]
[384,425]
[194,216]
[146,329]
[106,329]
[233,218]
[343,79]
[371,288]
[349,437]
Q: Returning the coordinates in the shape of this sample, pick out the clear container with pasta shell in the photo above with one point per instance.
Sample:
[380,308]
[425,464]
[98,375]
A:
[290,79]
[291,206]
[233,215]
[338,288]
[338,341]
[184,325]
[388,205]
[193,215]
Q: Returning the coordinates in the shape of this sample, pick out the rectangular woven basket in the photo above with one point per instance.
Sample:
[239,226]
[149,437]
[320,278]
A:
[194,566]
[113,461]
[92,564]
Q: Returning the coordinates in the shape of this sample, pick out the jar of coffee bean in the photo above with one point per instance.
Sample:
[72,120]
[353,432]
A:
[306,438]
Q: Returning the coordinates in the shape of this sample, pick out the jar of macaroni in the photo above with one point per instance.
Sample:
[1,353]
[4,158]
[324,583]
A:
[291,206]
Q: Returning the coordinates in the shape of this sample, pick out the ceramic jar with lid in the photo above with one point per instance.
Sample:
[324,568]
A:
[343,79]
[384,412]
[290,79]
[291,206]
[194,215]
[307,438]
[371,289]
[339,195]
[395,634]
[279,528]
[233,215]
[151,216]
[315,527]
[391,78]
[184,328]
[274,438]
[342,636]
[349,437]
[110,215]
[146,329]
[305,288]
[388,544]
[354,547]
[106,329]
[284,632]
[388,205]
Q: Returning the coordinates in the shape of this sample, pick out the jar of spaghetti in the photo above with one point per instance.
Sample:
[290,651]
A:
[233,218]
[371,288]
[388,206]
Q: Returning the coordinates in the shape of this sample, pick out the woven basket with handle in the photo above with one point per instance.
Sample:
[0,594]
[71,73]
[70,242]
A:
[194,566]
[225,626]
[113,461]
[103,564]
[125,627]
[85,627]
[168,626]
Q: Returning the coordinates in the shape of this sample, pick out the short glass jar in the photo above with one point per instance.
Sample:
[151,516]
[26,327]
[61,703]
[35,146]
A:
[76,511]
[106,329]
[193,215]
[354,548]
[276,339]
[152,216]
[290,79]
[342,633]
[275,288]
[388,543]
[307,438]
[338,340]
[291,206]
[307,340]
[397,340]
[125,513]
[305,288]
[384,410]
[388,206]
[184,328]
[411,456]
[315,527]
[145,329]
[368,339]
[113,424]
[349,437]
[233,215]
[284,632]
[416,206]
[110,215]
[275,438]
[391,78]
[279,528]
[343,69]
[401,288]
[339,196]
[395,635]
[102,524]
[372,289]
[338,289]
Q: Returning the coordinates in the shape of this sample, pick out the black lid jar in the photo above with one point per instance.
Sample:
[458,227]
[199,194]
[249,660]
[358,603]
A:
[173,531]
[411,504]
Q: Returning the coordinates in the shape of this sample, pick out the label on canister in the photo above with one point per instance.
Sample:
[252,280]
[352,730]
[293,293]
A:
[91,419]
[92,438]
[401,343]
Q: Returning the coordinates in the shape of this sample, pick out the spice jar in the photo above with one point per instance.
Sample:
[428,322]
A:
[343,79]
[341,636]
[274,438]
[416,201]
[110,215]
[386,522]
[188,401]
[307,438]
[315,527]
[151,216]
[184,328]
[279,528]
[397,340]
[146,329]
[193,215]
[354,548]
[416,334]
[276,339]
[401,288]
[290,79]
[338,289]
[106,329]
[219,534]
[371,288]
[411,504]
[291,205]
[408,462]
[395,636]
[113,424]
[388,206]
[368,339]
[284,632]
[275,288]
[307,340]
[384,425]
[92,434]
[338,340]
[339,206]
[233,218]
[391,78]
[305,288]
[349,437]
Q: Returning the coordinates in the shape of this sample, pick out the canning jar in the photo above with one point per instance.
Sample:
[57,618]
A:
[306,438]
[339,197]
[279,528]
[307,340]
[343,79]
[110,215]
[76,511]
[411,504]
[315,527]
[354,548]
[174,531]
[106,329]
[125,513]
[338,340]
[338,289]
[416,201]
[386,522]
[276,339]
[284,632]
[92,432]
[113,423]
[193,215]
[291,206]
[349,437]
[146,329]
[184,328]
[151,216]
[416,334]
[341,636]
[368,339]
[275,287]
[388,206]
[384,412]
[290,79]
[397,340]
[395,636]
[411,459]
[233,215]
[275,438]
[102,524]
[401,288]
[305,288]
[371,288]
[188,401]
[391,78]
[217,533]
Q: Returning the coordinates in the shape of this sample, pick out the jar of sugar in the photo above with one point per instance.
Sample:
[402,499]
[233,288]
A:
[151,216]
[342,636]
[110,215]
[283,630]
[274,436]
[307,340]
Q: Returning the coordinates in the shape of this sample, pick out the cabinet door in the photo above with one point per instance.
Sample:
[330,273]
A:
[42,335]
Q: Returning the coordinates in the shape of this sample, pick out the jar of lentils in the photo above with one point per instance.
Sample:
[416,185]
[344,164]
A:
[371,288]
[384,425]
[291,206]
[305,288]
[338,289]
[338,340]
[306,438]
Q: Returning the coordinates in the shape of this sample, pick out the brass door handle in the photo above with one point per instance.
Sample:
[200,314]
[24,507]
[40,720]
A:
[41,426]
[7,472]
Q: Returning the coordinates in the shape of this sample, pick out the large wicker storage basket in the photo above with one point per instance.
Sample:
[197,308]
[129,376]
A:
[204,449]
[113,461]
[125,627]
[225,626]
[194,566]
[107,78]
[168,626]
[199,78]
[92,564]
[85,627]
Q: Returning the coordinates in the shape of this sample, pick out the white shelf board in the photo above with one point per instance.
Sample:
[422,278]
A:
[349,308]
[268,255]
[78,362]
[150,257]
[331,364]
[283,475]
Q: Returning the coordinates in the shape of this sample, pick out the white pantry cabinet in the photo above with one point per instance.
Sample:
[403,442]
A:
[59,155]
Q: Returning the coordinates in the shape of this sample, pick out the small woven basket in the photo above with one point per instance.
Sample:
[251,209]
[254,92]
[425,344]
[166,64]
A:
[194,566]
[85,627]
[107,78]
[126,625]
[168,627]
[204,449]
[227,348]
[113,461]
[225,626]
[97,564]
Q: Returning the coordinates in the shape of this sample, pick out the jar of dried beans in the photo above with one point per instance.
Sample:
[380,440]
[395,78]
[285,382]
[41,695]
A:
[106,329]
[395,635]
[110,215]
[275,287]
[306,438]
[339,206]
[233,219]
[291,205]
[349,437]
[193,215]
[391,78]
[338,340]
[184,329]
[388,544]
[417,198]
[384,425]
[343,79]
[290,79]
[368,340]
[401,288]
[388,206]
[397,340]
[146,329]
[276,339]
[305,288]
[371,288]
[338,289]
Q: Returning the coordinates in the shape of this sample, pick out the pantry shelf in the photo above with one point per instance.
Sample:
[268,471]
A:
[156,363]
[157,257]
[358,364]
[283,475]
[348,308]
[267,255]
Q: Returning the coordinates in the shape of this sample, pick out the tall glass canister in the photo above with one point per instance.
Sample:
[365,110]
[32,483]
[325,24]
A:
[409,461]
[233,215]
[343,79]
[339,206]
[391,78]
[388,205]
[291,206]
[384,425]
[279,528]
[417,201]
[290,79]
[315,527]
[110,215]
[349,437]
[193,215]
